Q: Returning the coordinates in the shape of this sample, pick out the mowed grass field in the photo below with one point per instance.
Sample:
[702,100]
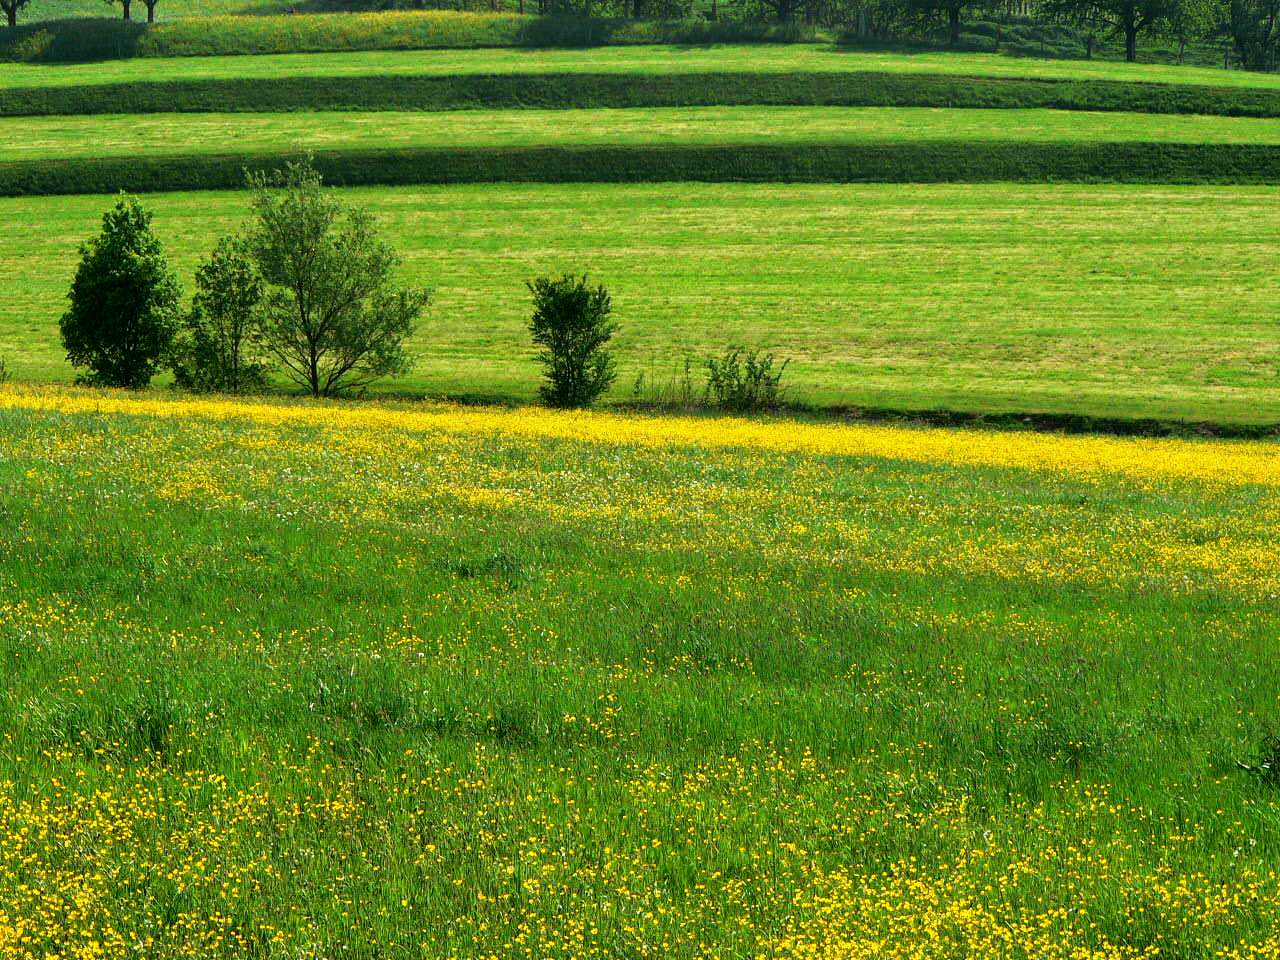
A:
[158,135]
[312,680]
[641,60]
[1103,300]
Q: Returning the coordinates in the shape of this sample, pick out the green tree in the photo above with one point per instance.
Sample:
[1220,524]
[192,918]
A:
[331,315]
[1126,18]
[215,347]
[1189,20]
[1254,26]
[571,325]
[11,8]
[124,301]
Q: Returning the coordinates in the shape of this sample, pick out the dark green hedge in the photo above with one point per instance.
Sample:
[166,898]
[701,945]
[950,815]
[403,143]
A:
[578,90]
[61,41]
[879,162]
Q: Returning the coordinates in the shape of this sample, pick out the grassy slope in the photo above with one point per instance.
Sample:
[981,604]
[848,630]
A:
[321,681]
[1101,300]
[26,138]
[643,59]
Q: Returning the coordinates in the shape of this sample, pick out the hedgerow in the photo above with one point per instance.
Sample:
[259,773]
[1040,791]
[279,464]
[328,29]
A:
[587,90]
[893,162]
[102,39]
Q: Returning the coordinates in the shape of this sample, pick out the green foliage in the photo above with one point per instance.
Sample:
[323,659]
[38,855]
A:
[10,9]
[124,301]
[745,380]
[1254,28]
[4,371]
[100,39]
[331,316]
[571,326]
[215,348]
[587,90]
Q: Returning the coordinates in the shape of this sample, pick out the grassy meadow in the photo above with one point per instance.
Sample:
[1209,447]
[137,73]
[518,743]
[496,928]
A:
[595,685]
[661,59]
[432,673]
[197,134]
[1101,300]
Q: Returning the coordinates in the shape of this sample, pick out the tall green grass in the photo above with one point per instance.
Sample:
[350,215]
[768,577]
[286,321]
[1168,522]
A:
[342,680]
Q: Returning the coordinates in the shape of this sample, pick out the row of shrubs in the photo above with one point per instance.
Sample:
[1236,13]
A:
[305,290]
[885,162]
[586,90]
[100,39]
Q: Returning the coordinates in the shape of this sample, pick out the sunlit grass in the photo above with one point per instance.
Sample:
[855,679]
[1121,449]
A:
[295,679]
[1102,300]
[785,58]
[177,135]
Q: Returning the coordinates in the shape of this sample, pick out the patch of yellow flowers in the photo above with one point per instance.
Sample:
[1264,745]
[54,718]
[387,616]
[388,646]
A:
[110,851]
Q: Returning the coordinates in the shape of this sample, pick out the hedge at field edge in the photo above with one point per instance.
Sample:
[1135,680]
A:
[586,90]
[889,162]
[62,41]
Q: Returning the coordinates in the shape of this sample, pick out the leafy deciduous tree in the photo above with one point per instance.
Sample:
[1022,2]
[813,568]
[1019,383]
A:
[1127,18]
[331,315]
[11,8]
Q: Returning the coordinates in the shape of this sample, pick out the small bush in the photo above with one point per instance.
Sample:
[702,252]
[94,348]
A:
[124,301]
[745,380]
[215,348]
[571,324]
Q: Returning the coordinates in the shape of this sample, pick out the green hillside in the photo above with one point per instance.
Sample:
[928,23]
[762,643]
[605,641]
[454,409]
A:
[1102,300]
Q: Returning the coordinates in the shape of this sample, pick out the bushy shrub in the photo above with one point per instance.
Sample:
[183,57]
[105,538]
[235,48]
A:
[331,316]
[124,301]
[216,346]
[571,325]
[745,380]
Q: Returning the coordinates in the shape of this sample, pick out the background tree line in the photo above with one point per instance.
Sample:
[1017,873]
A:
[1234,33]
[1237,33]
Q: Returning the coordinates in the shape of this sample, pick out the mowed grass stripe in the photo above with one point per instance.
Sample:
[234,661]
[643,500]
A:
[156,152]
[654,60]
[191,135]
[594,90]
[988,298]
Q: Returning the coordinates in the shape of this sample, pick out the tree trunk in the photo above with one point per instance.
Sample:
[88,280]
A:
[151,11]
[125,5]
[953,15]
[1088,47]
[12,14]
[1130,42]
